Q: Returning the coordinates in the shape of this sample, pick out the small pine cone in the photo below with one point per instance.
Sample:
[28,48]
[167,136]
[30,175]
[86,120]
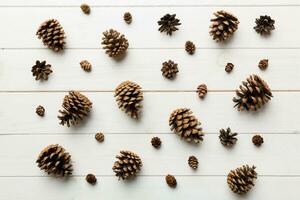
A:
[227,138]
[52,35]
[229,67]
[156,142]
[223,26]
[86,66]
[193,162]
[190,47]
[75,107]
[41,70]
[55,161]
[202,90]
[171,181]
[128,164]
[91,179]
[257,140]
[241,180]
[99,137]
[168,23]
[40,111]
[114,43]
[186,125]
[127,17]
[169,69]
[85,8]
[253,94]
[263,64]
[264,25]
[129,97]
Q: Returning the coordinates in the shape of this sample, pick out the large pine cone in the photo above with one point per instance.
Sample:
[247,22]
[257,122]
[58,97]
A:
[186,125]
[127,165]
[41,70]
[223,25]
[75,107]
[253,94]
[52,34]
[241,180]
[168,23]
[129,97]
[114,43]
[55,161]
[264,25]
[227,138]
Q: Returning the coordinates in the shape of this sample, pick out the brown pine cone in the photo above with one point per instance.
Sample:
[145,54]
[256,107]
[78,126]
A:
[168,23]
[193,162]
[169,69]
[229,67]
[86,66]
[40,110]
[156,142]
[127,17]
[264,25]
[114,43]
[257,140]
[190,47]
[263,64]
[171,181]
[91,179]
[202,90]
[227,138]
[99,137]
[41,70]
[85,8]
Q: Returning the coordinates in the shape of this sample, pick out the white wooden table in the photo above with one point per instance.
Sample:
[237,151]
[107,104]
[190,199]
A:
[23,134]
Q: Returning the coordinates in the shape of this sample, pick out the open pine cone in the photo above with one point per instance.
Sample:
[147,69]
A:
[41,70]
[169,69]
[264,25]
[114,43]
[52,34]
[129,97]
[253,94]
[227,138]
[55,161]
[168,23]
[223,25]
[128,164]
[241,180]
[186,125]
[76,106]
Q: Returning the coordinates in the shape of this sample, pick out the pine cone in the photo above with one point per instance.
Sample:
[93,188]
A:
[169,69]
[127,165]
[40,110]
[223,25]
[241,179]
[129,97]
[127,17]
[263,64]
[257,140]
[85,8]
[171,181]
[253,94]
[86,66]
[202,90]
[193,162]
[91,179]
[190,47]
[99,137]
[264,25]
[156,142]
[229,67]
[52,35]
[41,70]
[55,161]
[168,23]
[186,125]
[227,138]
[75,107]
[114,43]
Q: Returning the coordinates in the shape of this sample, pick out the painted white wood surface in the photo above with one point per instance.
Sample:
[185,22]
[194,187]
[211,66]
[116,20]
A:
[23,134]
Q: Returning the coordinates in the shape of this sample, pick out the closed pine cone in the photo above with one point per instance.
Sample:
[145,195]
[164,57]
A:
[55,161]
[171,181]
[227,138]
[252,94]
[40,110]
[223,25]
[99,137]
[193,162]
[156,142]
[186,125]
[86,65]
[202,90]
[91,179]
[264,25]
[52,34]
[75,107]
[41,70]
[168,23]
[263,64]
[229,67]
[114,43]
[190,47]
[128,164]
[129,97]
[169,69]
[257,140]
[241,180]
[127,17]
[85,8]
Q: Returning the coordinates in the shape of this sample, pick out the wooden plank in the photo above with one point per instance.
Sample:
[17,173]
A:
[206,66]
[215,111]
[85,31]
[148,187]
